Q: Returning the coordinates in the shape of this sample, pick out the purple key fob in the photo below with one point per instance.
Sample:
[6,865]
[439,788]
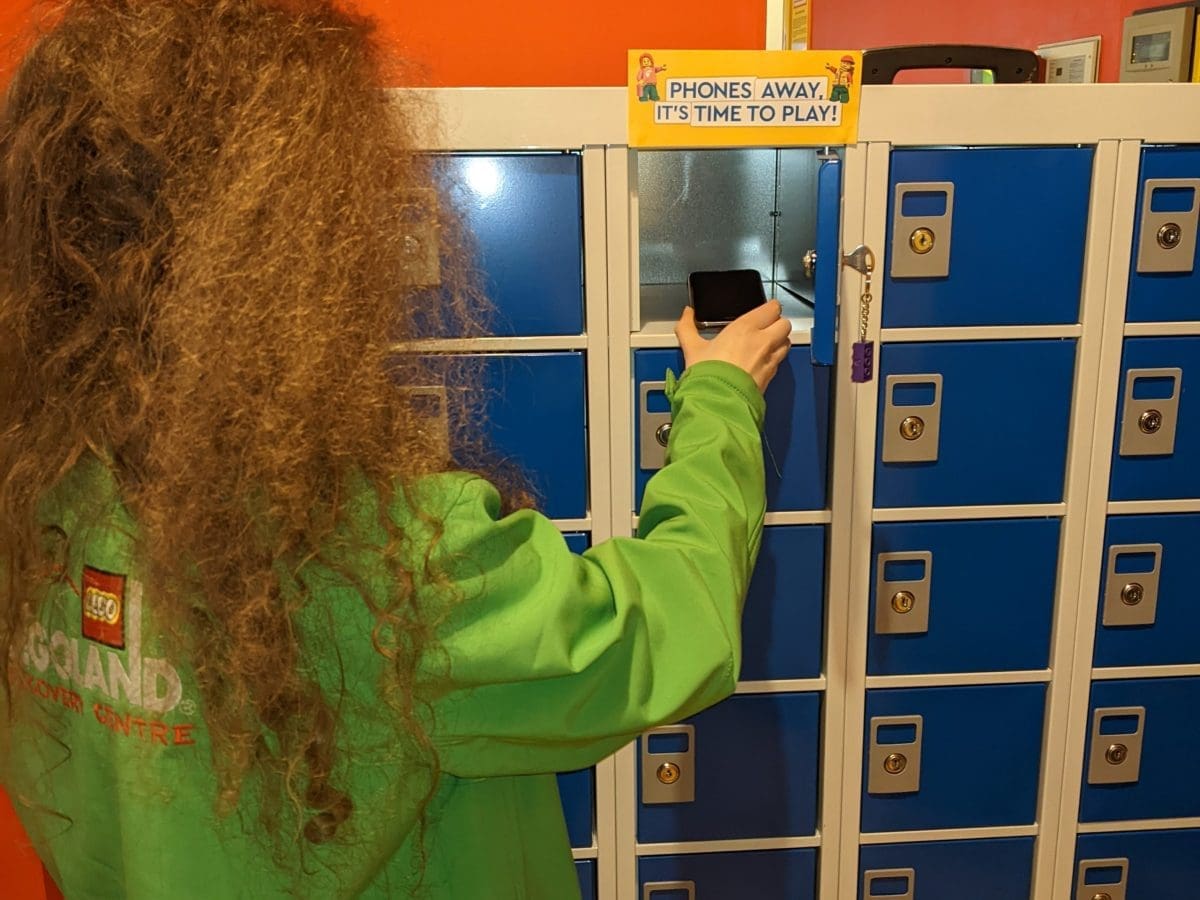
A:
[862,359]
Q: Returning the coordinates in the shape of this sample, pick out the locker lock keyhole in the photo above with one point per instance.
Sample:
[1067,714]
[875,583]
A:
[912,428]
[668,773]
[663,433]
[1116,754]
[922,241]
[1169,236]
[895,763]
[1150,421]
[903,602]
[1103,895]
[1132,594]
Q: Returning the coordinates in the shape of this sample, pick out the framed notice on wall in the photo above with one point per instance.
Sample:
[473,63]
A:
[798,15]
[1071,62]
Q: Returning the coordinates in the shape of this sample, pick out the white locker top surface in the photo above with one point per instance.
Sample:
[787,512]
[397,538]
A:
[902,115]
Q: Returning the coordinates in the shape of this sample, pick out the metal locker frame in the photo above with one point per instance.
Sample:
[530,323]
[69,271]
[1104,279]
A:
[1117,120]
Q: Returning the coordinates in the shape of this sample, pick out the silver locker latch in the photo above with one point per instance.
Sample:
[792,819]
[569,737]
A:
[430,405]
[654,427]
[895,768]
[902,606]
[1148,426]
[1102,890]
[1131,598]
[420,249]
[1167,241]
[1116,758]
[871,878]
[911,433]
[921,243]
[661,887]
[669,777]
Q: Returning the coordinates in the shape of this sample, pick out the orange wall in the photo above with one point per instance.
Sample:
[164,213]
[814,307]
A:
[518,42]
[532,42]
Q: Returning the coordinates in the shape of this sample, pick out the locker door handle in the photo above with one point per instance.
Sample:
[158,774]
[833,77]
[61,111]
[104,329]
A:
[911,431]
[430,403]
[654,427]
[909,876]
[1167,239]
[902,604]
[669,776]
[661,887]
[921,240]
[895,766]
[1131,598]
[1148,424]
[1112,890]
[1116,758]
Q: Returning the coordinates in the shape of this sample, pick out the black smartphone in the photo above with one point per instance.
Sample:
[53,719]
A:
[720,297]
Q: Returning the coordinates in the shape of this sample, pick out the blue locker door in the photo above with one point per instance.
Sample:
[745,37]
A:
[577,790]
[586,870]
[795,435]
[760,874]
[754,763]
[962,596]
[977,760]
[1026,204]
[1165,634]
[782,623]
[524,212]
[1160,865]
[1166,296]
[992,416]
[536,418]
[1156,776]
[1158,374]
[825,281]
[999,869]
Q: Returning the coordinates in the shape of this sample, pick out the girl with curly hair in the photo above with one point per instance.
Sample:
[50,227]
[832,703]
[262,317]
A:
[262,636]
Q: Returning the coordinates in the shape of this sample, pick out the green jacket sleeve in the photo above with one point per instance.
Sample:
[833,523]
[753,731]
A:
[557,659]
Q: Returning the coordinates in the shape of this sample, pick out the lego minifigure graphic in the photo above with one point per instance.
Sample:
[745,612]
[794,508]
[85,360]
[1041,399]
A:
[843,77]
[647,79]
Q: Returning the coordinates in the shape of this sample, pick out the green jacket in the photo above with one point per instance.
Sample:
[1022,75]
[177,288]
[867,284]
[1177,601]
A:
[555,661]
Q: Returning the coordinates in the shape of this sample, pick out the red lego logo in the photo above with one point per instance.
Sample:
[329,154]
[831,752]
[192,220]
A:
[104,608]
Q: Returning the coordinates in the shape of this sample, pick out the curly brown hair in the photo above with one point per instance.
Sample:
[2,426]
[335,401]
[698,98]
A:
[215,238]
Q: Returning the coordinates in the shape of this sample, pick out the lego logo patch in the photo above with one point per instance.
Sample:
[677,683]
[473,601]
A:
[104,608]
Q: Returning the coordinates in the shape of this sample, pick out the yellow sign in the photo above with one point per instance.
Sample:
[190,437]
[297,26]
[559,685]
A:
[743,98]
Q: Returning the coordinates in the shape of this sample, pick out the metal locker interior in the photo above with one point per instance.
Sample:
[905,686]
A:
[972,650]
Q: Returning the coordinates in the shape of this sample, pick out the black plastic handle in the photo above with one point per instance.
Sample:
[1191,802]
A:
[1009,64]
